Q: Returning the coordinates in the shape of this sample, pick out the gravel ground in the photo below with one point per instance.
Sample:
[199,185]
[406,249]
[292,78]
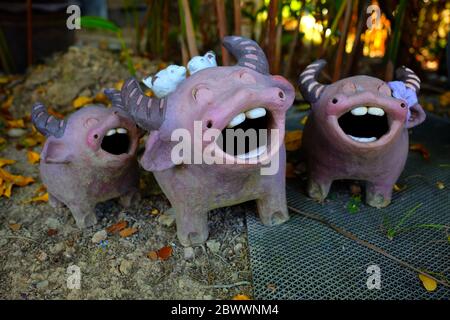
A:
[38,243]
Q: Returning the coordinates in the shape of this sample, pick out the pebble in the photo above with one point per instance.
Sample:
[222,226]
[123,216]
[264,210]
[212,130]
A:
[41,256]
[16,132]
[166,220]
[99,236]
[189,253]
[125,266]
[52,223]
[42,284]
[238,248]
[213,245]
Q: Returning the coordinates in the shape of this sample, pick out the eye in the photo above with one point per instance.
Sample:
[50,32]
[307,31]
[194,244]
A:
[201,94]
[90,122]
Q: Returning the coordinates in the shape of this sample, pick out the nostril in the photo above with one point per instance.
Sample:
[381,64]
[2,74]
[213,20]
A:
[209,124]
[403,105]
[281,94]
[334,100]
[95,136]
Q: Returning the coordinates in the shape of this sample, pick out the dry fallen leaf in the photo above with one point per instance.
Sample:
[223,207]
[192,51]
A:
[81,101]
[8,188]
[428,283]
[152,255]
[33,157]
[42,198]
[8,103]
[420,148]
[4,162]
[127,232]
[293,140]
[440,185]
[149,93]
[399,187]
[119,226]
[241,297]
[42,188]
[118,85]
[15,226]
[21,181]
[165,253]
[18,123]
[100,97]
[52,232]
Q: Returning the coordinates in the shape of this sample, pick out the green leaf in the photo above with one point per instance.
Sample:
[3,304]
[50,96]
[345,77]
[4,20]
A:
[91,22]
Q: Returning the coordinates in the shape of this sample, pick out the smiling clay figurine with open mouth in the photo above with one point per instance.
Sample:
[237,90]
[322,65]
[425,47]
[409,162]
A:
[358,129]
[89,157]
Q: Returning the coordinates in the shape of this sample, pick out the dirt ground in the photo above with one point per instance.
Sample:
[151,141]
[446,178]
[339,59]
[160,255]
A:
[38,243]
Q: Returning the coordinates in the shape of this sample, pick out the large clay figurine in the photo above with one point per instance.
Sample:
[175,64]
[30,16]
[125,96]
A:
[243,96]
[358,129]
[89,157]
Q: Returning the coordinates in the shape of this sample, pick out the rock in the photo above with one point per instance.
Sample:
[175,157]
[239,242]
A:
[125,266]
[213,245]
[16,132]
[57,248]
[99,236]
[52,223]
[166,220]
[42,284]
[3,242]
[41,256]
[238,248]
[189,253]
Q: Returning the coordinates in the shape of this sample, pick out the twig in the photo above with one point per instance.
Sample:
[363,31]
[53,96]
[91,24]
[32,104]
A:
[22,238]
[226,286]
[190,34]
[342,41]
[365,244]
[237,17]
[222,26]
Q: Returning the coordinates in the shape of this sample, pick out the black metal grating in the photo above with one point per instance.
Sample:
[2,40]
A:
[303,259]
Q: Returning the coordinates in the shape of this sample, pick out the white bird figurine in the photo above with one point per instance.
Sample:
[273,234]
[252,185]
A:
[198,63]
[166,80]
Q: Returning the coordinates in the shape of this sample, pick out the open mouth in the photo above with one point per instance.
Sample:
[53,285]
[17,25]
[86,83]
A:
[364,123]
[247,135]
[116,141]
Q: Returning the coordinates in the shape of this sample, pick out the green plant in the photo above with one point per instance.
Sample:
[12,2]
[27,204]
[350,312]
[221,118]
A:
[353,206]
[91,22]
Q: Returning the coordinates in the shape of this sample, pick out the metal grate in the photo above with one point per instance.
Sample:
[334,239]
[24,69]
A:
[303,259]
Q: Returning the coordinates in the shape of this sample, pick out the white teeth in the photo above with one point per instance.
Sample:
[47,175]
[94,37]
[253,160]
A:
[363,140]
[122,130]
[111,132]
[253,154]
[376,111]
[359,111]
[236,120]
[256,113]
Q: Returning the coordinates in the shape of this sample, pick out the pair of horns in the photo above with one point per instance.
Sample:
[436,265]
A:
[149,112]
[311,89]
[48,125]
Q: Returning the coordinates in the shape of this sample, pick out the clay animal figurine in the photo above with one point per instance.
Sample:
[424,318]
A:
[202,62]
[166,80]
[89,157]
[244,96]
[358,129]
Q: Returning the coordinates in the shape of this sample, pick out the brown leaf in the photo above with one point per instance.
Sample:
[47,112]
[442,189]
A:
[21,181]
[42,198]
[33,157]
[241,297]
[115,228]
[420,148]
[15,226]
[165,253]
[293,140]
[52,232]
[81,102]
[4,162]
[127,232]
[18,123]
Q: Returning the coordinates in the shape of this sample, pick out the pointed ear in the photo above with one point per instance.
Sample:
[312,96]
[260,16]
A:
[56,151]
[157,155]
[417,116]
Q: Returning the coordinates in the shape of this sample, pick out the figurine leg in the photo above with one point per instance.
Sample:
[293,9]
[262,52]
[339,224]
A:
[378,194]
[129,198]
[55,203]
[318,188]
[272,208]
[84,215]
[192,226]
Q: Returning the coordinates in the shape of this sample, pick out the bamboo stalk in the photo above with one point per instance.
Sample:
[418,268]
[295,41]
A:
[333,27]
[184,50]
[342,42]
[395,41]
[272,33]
[190,34]
[166,30]
[222,26]
[29,33]
[292,45]
[237,17]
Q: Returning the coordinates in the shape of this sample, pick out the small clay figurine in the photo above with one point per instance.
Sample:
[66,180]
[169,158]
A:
[166,80]
[202,62]
[244,97]
[89,157]
[358,129]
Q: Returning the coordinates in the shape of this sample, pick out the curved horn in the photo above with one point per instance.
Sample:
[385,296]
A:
[408,76]
[115,97]
[309,87]
[147,112]
[247,53]
[45,123]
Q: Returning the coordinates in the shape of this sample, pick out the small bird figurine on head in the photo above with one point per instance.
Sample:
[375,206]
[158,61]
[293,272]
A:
[198,63]
[166,80]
